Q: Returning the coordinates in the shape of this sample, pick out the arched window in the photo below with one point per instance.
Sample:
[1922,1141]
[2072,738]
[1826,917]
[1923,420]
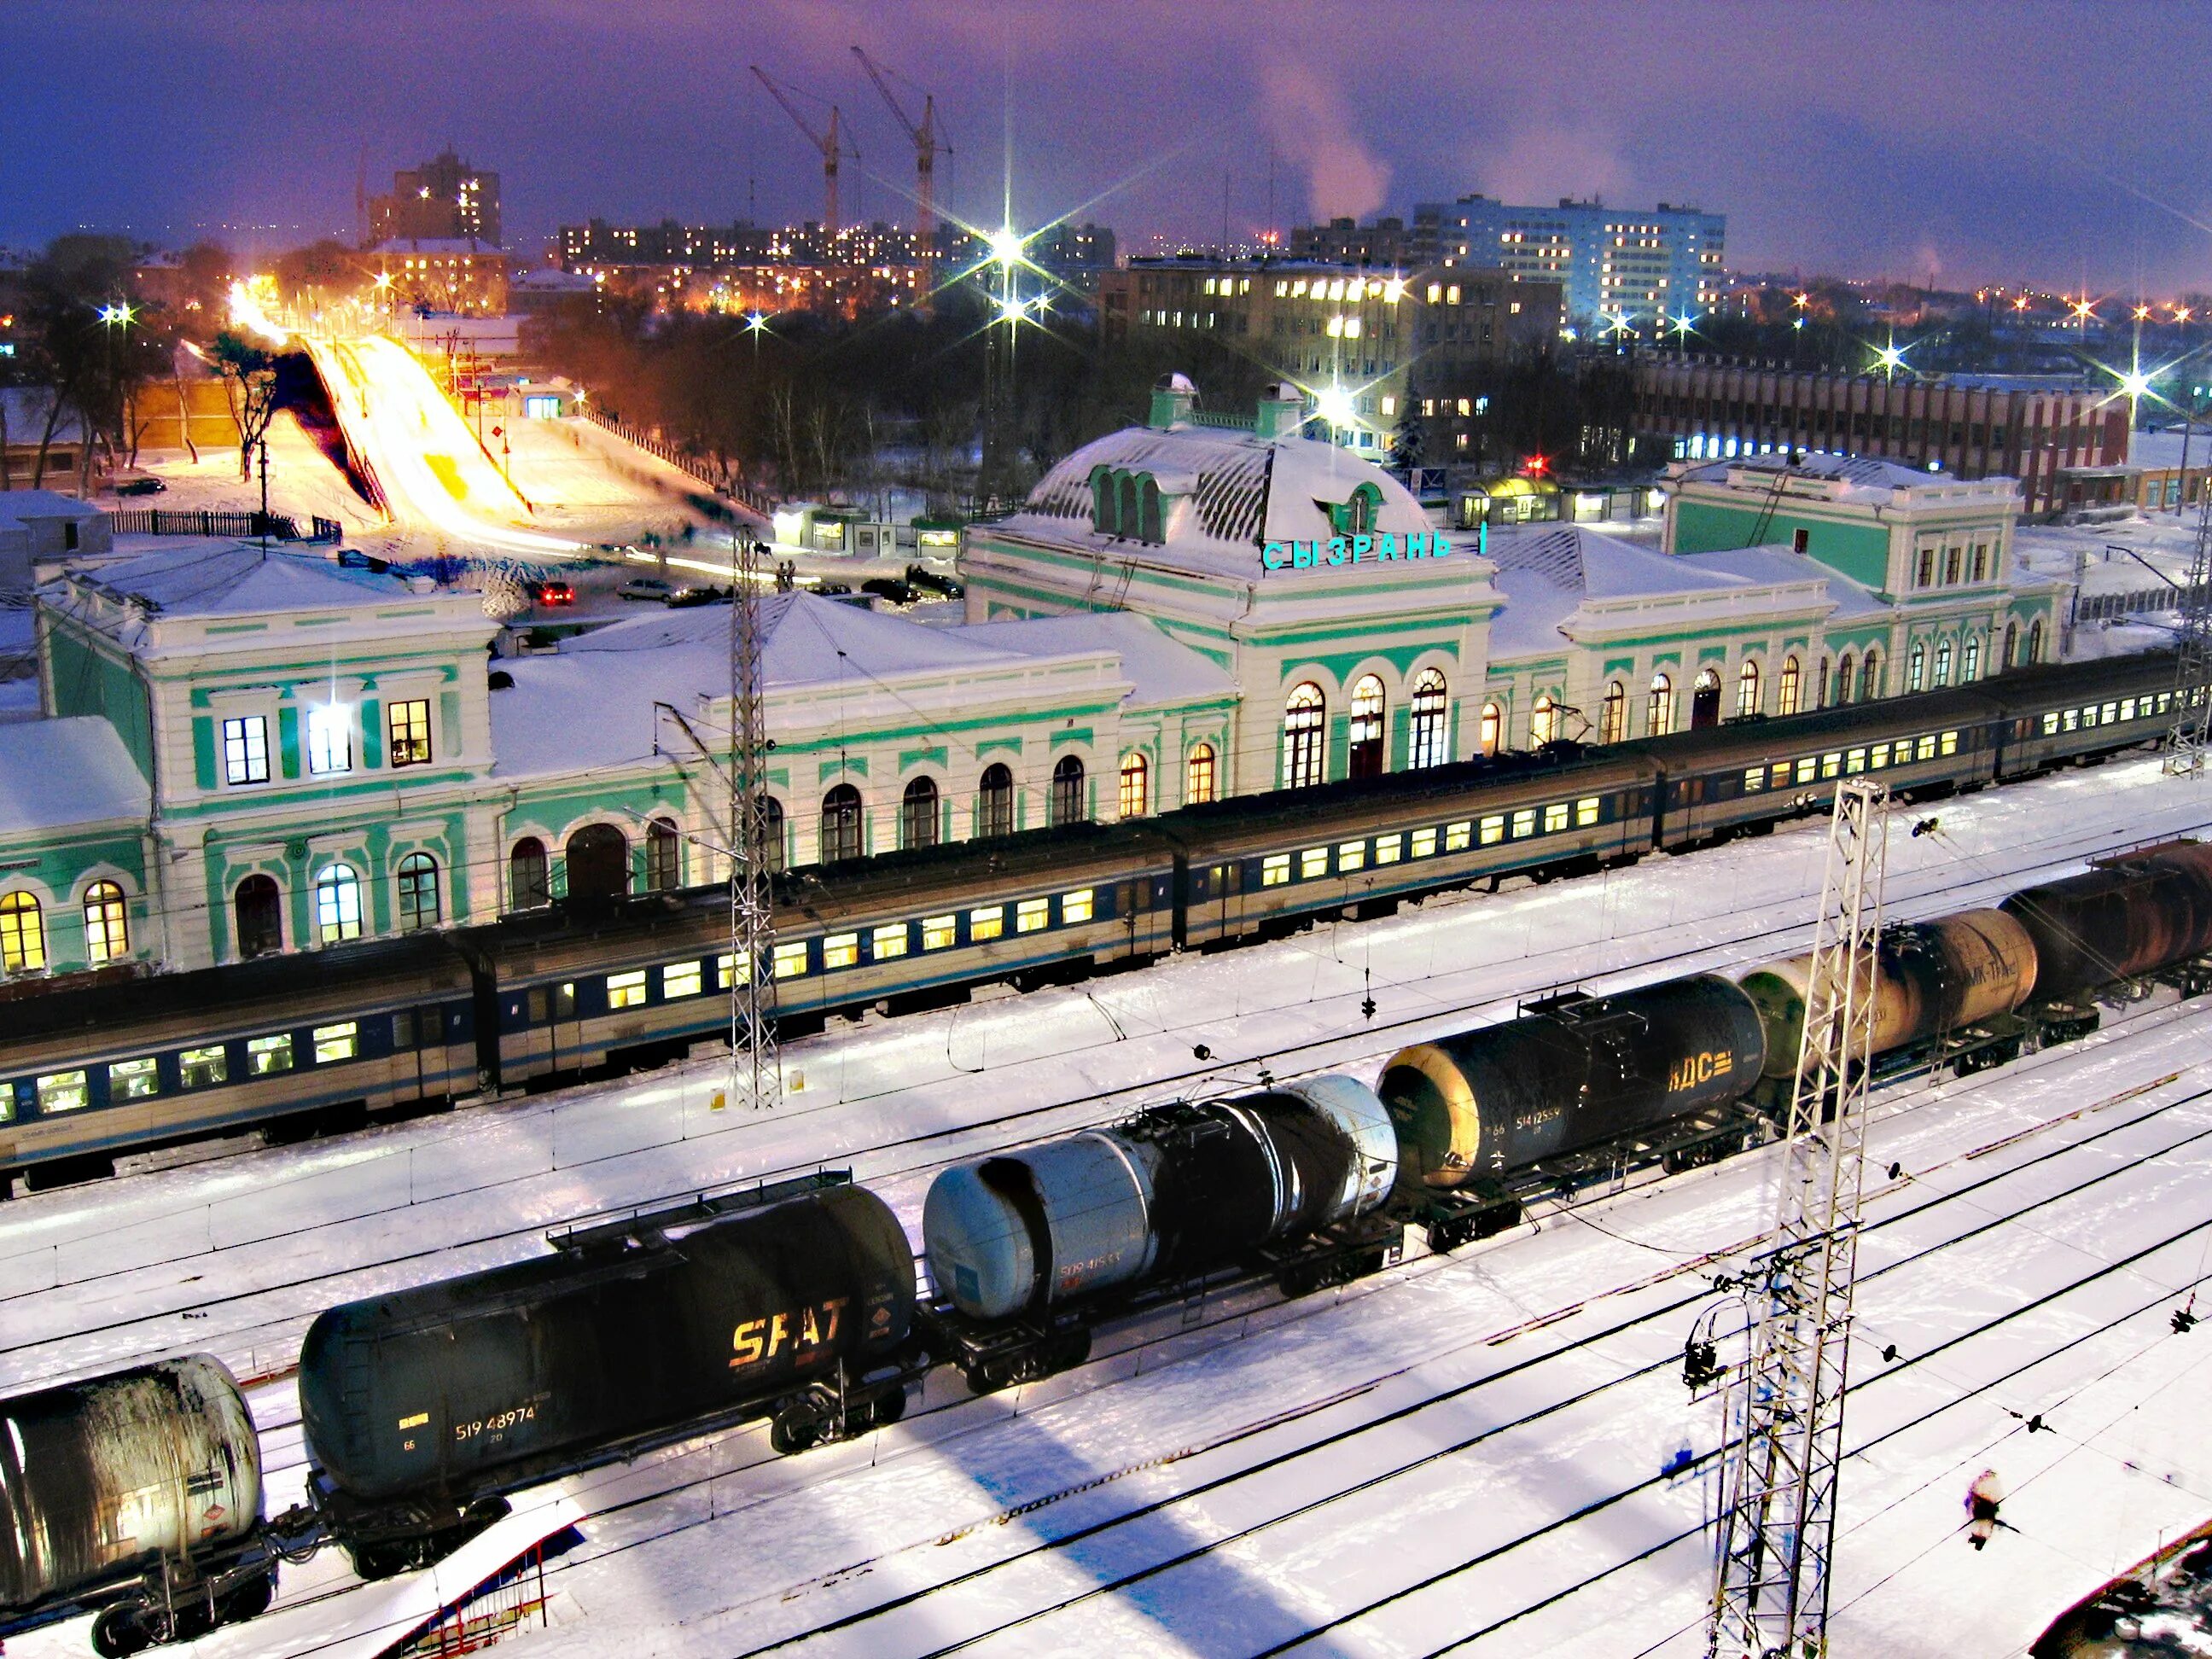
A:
[1105,517]
[418,892]
[1149,528]
[1359,512]
[338,905]
[528,883]
[1746,689]
[2012,645]
[1198,783]
[259,906]
[1943,661]
[1970,660]
[994,801]
[1366,755]
[1068,805]
[1136,786]
[1543,722]
[1705,698]
[841,824]
[918,814]
[1915,666]
[106,924]
[23,934]
[1129,518]
[1870,676]
[1659,707]
[1820,685]
[598,863]
[1305,718]
[2035,641]
[773,840]
[664,857]
[1493,730]
[1844,673]
[1431,735]
[1785,689]
[1613,714]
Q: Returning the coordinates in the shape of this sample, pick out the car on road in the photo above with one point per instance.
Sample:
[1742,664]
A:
[645,587]
[147,486]
[552,591]
[683,597]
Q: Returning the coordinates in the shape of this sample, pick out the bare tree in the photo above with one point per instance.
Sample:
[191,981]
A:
[249,376]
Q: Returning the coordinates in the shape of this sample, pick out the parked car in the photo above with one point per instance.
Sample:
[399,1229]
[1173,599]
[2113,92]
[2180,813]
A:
[890,587]
[645,588]
[706,595]
[932,582]
[552,592]
[147,486]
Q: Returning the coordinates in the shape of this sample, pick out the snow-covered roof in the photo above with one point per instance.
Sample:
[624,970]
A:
[1865,470]
[2166,448]
[1775,565]
[1235,491]
[57,773]
[200,579]
[27,407]
[441,245]
[1606,567]
[22,504]
[1159,670]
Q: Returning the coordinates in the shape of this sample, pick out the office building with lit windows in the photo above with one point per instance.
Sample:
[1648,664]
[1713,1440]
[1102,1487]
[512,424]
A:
[1368,347]
[443,200]
[1647,265]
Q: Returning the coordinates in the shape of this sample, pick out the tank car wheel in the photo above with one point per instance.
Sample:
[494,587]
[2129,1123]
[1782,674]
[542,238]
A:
[385,1560]
[249,1600]
[1301,1280]
[796,1428]
[887,1408]
[984,1377]
[118,1632]
[1070,1351]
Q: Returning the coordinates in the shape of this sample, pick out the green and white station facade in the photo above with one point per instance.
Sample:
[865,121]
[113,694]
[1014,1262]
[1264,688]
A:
[244,751]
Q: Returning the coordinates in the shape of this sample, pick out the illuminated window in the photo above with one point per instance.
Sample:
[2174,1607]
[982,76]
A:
[197,1068]
[1032,916]
[419,905]
[1832,764]
[338,905]
[409,726]
[1806,770]
[1969,661]
[245,751]
[1924,748]
[1351,855]
[1613,714]
[1136,778]
[1363,758]
[680,978]
[1198,776]
[1943,662]
[1492,730]
[63,1091]
[1389,849]
[133,1080]
[1785,691]
[1915,670]
[1424,844]
[888,941]
[1304,720]
[626,990]
[107,925]
[1543,722]
[790,961]
[1754,780]
[1524,824]
[1659,707]
[1555,819]
[1429,743]
[840,951]
[1079,906]
[337,1043]
[1313,862]
[330,739]
[267,1056]
[1275,870]
[1586,811]
[939,931]
[1746,689]
[986,923]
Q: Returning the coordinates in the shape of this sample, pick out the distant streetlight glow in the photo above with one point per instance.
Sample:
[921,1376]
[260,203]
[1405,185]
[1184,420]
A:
[1005,244]
[1889,358]
[1334,406]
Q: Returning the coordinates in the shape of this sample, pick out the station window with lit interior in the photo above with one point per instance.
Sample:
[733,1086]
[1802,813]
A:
[409,726]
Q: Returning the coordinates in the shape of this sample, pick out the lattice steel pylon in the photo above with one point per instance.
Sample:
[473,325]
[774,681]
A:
[755,1071]
[2190,739]
[1777,1509]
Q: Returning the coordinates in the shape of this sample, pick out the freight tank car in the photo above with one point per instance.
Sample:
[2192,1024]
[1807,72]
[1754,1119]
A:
[1573,1073]
[421,1407]
[1951,982]
[2140,913]
[138,1492]
[1029,1245]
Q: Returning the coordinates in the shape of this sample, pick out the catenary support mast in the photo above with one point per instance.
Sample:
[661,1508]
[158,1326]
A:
[1777,1517]
[2191,736]
[755,1073]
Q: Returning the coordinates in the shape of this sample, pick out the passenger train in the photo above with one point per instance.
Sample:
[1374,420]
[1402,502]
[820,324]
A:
[91,1070]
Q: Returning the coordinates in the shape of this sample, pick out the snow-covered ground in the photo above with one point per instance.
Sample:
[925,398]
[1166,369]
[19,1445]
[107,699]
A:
[713,1547]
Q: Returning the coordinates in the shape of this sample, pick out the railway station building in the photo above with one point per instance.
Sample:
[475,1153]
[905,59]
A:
[246,751]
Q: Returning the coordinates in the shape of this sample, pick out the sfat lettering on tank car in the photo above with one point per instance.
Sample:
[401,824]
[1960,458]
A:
[810,1326]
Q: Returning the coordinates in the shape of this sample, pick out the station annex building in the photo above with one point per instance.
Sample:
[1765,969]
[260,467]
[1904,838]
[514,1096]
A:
[245,751]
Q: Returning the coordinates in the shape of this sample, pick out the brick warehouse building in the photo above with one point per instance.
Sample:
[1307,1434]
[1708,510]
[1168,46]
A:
[1970,427]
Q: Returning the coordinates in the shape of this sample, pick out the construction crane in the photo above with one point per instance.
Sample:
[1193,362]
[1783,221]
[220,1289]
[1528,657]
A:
[828,143]
[1774,1551]
[926,151]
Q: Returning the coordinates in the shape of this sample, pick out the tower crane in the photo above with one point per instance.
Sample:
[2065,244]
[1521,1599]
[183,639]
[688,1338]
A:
[925,150]
[828,143]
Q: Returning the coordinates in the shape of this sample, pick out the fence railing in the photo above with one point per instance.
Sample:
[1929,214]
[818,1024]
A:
[2141,601]
[171,522]
[737,489]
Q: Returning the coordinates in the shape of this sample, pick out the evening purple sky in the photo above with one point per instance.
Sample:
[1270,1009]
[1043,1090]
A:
[1999,140]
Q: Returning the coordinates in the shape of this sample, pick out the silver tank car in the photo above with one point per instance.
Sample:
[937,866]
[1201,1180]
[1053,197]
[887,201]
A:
[100,1480]
[1176,1188]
